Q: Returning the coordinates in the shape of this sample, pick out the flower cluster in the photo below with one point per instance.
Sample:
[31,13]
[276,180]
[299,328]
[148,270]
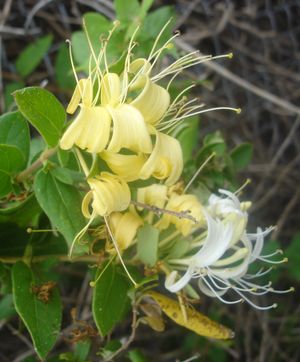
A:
[125,118]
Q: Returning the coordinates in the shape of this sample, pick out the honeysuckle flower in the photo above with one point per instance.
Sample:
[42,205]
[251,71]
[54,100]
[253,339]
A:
[154,195]
[152,102]
[91,128]
[129,127]
[124,227]
[128,167]
[128,101]
[182,203]
[108,194]
[220,257]
[164,163]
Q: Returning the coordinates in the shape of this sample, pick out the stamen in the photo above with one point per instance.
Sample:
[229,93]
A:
[81,233]
[278,251]
[196,174]
[118,252]
[73,66]
[218,296]
[284,260]
[158,37]
[260,273]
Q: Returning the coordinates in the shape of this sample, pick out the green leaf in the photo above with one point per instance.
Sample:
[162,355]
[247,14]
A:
[80,48]
[63,70]
[155,21]
[67,176]
[5,279]
[242,155]
[14,131]
[293,254]
[8,90]
[21,213]
[43,111]
[136,356]
[37,146]
[7,308]
[179,248]
[96,26]
[145,6]
[61,203]
[188,138]
[147,244]
[82,350]
[110,300]
[49,244]
[11,161]
[5,183]
[42,319]
[126,11]
[32,55]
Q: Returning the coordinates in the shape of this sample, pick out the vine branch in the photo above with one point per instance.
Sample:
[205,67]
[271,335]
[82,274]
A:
[36,165]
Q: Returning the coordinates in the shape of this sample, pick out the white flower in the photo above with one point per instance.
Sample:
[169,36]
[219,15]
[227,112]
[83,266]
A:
[220,261]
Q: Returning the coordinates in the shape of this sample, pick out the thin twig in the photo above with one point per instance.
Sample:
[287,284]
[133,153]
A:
[185,214]
[130,339]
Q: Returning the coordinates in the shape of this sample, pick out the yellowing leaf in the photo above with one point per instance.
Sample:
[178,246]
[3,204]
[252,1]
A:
[196,321]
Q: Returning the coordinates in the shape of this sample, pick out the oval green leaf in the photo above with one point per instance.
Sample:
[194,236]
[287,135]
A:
[11,161]
[241,155]
[61,203]
[32,55]
[42,319]
[43,111]
[110,299]
[14,131]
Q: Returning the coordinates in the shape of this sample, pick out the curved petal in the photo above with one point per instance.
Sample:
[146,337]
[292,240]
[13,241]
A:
[165,161]
[129,130]
[90,130]
[138,68]
[174,286]
[128,167]
[152,102]
[110,89]
[83,91]
[216,243]
[124,227]
[110,193]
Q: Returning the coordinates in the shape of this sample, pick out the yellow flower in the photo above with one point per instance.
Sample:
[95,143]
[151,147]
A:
[129,127]
[154,195]
[124,227]
[153,100]
[182,203]
[90,130]
[125,166]
[165,161]
[108,194]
